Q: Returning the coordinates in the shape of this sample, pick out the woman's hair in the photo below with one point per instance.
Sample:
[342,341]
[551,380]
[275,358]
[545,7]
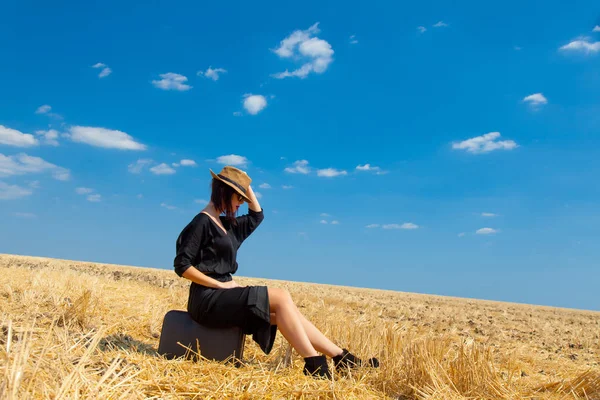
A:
[221,198]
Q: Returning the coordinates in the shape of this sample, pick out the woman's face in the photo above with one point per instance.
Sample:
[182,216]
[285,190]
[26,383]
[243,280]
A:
[236,201]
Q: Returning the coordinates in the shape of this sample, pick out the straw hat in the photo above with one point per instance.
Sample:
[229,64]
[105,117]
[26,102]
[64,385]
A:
[236,178]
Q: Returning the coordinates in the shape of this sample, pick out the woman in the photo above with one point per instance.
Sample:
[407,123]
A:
[206,255]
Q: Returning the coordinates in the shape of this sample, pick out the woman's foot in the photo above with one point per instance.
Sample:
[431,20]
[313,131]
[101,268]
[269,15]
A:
[349,360]
[317,367]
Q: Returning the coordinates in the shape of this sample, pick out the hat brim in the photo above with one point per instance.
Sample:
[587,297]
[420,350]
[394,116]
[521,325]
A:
[230,185]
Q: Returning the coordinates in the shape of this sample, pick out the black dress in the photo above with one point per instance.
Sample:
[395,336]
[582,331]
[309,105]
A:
[205,246]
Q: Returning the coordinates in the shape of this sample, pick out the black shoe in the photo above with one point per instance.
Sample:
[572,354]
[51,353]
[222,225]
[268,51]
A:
[349,360]
[317,367]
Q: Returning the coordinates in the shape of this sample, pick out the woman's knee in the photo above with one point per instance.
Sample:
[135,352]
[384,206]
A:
[278,296]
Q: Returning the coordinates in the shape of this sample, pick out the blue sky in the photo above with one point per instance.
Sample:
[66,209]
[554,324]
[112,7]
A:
[432,148]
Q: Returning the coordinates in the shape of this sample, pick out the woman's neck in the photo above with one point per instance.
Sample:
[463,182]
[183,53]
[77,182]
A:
[210,208]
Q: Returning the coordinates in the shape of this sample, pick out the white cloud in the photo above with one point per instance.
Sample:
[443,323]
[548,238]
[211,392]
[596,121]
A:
[485,231]
[172,81]
[187,163]
[325,215]
[300,167]
[24,215]
[83,190]
[461,234]
[596,28]
[49,137]
[43,109]
[22,164]
[13,137]
[353,39]
[406,225]
[138,166]
[287,187]
[201,201]
[582,45]
[167,206]
[212,73]
[440,24]
[330,172]
[258,195]
[94,198]
[536,99]
[12,192]
[367,167]
[323,221]
[421,29]
[175,164]
[371,226]
[487,214]
[254,103]
[102,137]
[315,53]
[233,159]
[105,70]
[265,186]
[34,184]
[237,114]
[485,144]
[162,169]
[335,222]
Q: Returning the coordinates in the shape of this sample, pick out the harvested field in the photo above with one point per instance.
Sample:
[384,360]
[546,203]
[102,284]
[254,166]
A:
[87,330]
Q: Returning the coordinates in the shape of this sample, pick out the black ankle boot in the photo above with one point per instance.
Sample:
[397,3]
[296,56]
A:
[317,367]
[349,360]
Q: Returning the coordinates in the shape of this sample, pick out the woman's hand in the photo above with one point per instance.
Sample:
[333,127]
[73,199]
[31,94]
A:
[230,285]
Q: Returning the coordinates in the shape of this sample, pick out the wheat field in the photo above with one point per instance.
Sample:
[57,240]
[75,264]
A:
[80,330]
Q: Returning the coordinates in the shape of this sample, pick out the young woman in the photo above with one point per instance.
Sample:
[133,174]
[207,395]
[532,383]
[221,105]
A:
[206,255]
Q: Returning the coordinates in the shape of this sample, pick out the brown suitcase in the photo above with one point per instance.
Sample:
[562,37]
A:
[180,332]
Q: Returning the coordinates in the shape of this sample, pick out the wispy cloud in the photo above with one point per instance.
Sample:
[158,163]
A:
[440,24]
[258,195]
[334,222]
[187,163]
[461,234]
[105,138]
[582,45]
[421,29]
[325,215]
[406,225]
[49,137]
[353,39]
[13,137]
[233,159]
[94,198]
[535,100]
[211,73]
[485,231]
[83,190]
[139,165]
[488,214]
[485,144]
[172,81]
[330,172]
[201,201]
[105,70]
[287,187]
[300,167]
[324,222]
[264,186]
[167,206]
[596,28]
[316,54]
[162,169]
[12,192]
[254,103]
[43,109]
[370,168]
[24,215]
[22,164]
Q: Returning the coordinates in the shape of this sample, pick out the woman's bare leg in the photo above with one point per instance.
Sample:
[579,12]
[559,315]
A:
[289,322]
[318,341]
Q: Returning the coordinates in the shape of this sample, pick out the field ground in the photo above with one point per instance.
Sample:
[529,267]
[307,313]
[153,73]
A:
[87,330]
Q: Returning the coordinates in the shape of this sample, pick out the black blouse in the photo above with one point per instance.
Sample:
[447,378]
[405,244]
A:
[204,245]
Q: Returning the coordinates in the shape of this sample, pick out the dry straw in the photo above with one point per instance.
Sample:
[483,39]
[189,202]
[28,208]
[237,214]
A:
[75,330]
